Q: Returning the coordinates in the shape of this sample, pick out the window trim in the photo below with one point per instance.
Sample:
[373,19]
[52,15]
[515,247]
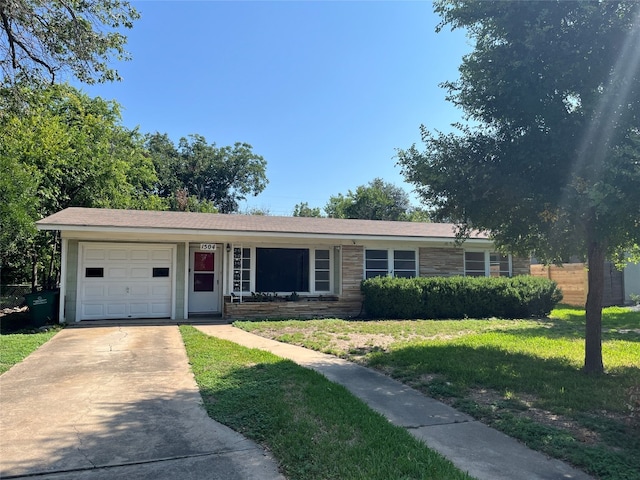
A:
[312,267]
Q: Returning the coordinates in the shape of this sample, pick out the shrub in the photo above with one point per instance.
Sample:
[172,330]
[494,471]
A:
[460,297]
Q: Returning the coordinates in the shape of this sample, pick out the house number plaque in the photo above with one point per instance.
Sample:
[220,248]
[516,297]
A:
[208,247]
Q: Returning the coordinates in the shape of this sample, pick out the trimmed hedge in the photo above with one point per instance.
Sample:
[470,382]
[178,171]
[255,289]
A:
[460,297]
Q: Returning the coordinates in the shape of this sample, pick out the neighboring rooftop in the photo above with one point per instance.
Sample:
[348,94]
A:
[77,218]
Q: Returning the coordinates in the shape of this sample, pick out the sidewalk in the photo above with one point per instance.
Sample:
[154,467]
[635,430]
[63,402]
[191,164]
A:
[483,452]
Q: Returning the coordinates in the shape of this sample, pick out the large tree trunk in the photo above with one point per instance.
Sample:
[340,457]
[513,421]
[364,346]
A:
[593,334]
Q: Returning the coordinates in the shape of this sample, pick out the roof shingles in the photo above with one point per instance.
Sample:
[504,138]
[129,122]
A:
[74,217]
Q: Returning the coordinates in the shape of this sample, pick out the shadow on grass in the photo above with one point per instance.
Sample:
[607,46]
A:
[555,382]
[597,403]
[574,329]
[315,428]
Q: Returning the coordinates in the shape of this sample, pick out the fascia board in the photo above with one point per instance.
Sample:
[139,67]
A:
[170,232]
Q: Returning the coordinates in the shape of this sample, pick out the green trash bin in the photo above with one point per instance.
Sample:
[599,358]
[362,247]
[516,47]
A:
[43,306]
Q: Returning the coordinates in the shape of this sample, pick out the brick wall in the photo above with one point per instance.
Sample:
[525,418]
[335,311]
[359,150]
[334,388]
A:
[352,272]
[441,262]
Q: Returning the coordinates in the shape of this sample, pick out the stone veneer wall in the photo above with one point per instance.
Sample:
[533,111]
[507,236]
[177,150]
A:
[440,262]
[520,266]
[348,303]
[447,262]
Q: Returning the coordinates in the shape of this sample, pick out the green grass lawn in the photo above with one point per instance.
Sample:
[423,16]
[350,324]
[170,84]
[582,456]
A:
[15,347]
[314,428]
[521,376]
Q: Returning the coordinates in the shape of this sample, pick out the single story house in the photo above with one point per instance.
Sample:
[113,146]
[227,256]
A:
[120,264]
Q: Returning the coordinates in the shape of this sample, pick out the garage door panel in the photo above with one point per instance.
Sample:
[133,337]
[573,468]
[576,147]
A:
[128,288]
[160,290]
[94,254]
[93,291]
[93,310]
[139,308]
[117,310]
[161,255]
[140,291]
[140,272]
[116,290]
[118,254]
[117,272]
[140,255]
[160,308]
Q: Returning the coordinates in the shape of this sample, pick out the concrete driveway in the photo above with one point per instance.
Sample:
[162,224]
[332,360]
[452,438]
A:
[116,402]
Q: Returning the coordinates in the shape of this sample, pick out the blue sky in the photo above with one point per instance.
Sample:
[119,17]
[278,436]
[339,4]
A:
[324,91]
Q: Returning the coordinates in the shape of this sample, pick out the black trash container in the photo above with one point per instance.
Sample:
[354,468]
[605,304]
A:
[43,306]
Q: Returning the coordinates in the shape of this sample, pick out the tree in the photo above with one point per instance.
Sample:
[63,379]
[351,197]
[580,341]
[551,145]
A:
[378,200]
[18,207]
[551,163]
[217,177]
[38,39]
[63,148]
[303,209]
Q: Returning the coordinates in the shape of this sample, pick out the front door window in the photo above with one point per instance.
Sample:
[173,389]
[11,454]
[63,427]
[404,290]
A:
[203,272]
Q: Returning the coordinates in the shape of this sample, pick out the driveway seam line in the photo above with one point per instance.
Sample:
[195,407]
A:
[126,464]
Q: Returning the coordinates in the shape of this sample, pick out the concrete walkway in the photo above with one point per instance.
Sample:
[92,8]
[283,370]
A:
[483,452]
[116,402]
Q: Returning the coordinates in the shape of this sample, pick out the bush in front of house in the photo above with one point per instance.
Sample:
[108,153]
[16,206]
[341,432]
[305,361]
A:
[460,297]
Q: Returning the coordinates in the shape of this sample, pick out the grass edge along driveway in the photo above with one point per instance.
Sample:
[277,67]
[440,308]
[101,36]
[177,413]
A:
[15,347]
[313,427]
[520,376]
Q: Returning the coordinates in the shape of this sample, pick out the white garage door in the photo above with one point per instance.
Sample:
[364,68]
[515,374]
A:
[125,281]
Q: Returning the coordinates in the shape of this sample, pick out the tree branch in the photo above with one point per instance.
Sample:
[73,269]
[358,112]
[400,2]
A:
[7,27]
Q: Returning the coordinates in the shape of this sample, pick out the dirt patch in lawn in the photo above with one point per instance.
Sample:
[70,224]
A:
[523,406]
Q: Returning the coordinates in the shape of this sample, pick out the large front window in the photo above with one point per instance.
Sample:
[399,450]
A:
[282,269]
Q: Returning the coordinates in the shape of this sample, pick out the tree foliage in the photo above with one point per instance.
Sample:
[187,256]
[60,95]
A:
[378,200]
[551,163]
[62,149]
[211,177]
[39,39]
[303,209]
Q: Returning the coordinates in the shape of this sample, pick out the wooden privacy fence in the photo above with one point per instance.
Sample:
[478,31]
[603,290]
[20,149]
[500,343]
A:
[572,280]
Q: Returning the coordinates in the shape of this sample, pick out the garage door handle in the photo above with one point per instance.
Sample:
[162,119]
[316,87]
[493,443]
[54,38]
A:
[127,289]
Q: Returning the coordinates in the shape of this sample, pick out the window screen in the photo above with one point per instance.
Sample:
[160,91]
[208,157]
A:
[404,263]
[322,271]
[376,263]
[474,264]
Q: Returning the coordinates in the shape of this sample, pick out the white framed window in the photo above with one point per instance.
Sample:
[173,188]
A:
[322,270]
[241,269]
[388,262]
[281,269]
[486,264]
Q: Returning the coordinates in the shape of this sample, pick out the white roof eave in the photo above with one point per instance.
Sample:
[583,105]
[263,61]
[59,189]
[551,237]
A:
[68,229]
